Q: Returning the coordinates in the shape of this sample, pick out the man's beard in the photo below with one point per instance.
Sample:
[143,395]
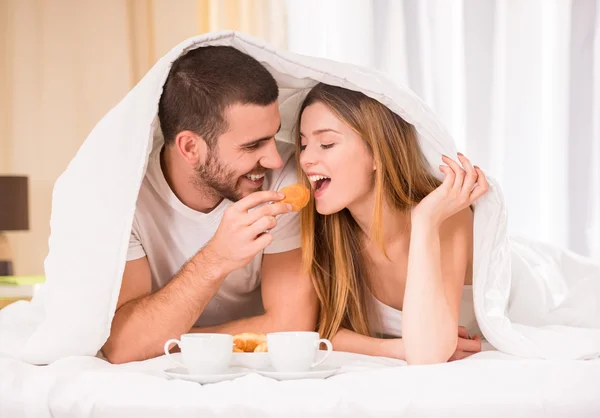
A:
[217,179]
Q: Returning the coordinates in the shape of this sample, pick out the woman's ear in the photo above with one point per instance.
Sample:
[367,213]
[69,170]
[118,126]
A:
[191,147]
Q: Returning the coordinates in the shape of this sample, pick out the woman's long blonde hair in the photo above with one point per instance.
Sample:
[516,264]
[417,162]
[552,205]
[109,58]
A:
[332,245]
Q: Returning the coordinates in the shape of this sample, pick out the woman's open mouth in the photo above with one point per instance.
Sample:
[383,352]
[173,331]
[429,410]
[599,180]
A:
[320,184]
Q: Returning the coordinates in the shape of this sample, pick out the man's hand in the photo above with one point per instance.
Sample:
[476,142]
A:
[466,346]
[241,235]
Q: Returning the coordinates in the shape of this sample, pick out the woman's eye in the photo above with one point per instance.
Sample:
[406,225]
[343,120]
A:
[302,147]
[327,146]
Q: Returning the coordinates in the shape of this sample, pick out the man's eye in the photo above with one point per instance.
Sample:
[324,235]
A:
[253,147]
[327,146]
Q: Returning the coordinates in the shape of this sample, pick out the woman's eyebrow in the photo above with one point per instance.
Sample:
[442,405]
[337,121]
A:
[322,131]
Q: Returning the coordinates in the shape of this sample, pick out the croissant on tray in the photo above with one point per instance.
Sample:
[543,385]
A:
[250,342]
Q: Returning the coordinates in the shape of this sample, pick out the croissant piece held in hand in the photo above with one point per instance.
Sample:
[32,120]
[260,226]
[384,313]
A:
[296,195]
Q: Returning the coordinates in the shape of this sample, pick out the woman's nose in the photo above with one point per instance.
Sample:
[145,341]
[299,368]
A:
[307,157]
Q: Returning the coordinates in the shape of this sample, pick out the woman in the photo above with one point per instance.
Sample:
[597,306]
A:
[389,246]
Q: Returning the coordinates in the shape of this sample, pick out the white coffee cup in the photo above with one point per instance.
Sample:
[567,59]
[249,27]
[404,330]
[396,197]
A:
[296,351]
[203,353]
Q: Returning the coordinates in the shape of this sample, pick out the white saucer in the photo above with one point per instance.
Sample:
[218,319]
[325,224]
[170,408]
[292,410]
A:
[184,374]
[251,360]
[319,372]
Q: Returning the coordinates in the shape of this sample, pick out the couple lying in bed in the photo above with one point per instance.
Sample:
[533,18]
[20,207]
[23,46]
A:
[376,262]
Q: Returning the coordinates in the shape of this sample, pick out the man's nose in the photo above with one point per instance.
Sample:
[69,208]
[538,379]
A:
[272,159]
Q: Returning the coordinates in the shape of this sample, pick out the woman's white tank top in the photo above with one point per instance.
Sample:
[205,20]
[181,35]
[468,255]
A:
[386,322]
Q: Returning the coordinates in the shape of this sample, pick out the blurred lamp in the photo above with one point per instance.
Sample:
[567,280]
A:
[14,215]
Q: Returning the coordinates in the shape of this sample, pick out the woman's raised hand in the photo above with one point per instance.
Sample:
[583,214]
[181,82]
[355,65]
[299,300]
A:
[462,186]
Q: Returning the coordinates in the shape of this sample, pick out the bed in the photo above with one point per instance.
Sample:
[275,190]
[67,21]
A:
[488,384]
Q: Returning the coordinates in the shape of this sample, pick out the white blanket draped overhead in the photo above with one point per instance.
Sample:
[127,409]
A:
[530,300]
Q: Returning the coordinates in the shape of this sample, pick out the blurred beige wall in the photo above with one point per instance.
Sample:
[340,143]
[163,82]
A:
[65,63]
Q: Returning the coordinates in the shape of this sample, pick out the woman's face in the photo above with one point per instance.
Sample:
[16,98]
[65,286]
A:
[336,160]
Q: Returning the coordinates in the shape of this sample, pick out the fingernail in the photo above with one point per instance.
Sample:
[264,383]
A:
[444,156]
[290,207]
[476,167]
[458,153]
[281,195]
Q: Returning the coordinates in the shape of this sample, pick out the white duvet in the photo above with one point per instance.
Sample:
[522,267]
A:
[489,384]
[530,300]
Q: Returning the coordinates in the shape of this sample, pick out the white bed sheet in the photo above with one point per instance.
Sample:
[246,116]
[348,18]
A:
[490,384]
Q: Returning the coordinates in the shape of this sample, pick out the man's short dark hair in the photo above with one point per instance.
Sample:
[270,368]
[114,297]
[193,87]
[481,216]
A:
[203,82]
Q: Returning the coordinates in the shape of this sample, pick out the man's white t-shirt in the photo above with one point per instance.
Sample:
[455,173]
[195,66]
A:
[169,233]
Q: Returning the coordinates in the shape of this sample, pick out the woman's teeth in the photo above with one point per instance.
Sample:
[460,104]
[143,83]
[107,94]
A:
[317,178]
[254,177]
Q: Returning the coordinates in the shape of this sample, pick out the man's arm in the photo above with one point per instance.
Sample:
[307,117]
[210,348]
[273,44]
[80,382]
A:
[289,299]
[144,321]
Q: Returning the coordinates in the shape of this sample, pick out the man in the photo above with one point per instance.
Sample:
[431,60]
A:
[209,251]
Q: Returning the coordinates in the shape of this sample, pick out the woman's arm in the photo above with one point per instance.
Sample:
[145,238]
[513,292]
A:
[437,265]
[439,255]
[352,342]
